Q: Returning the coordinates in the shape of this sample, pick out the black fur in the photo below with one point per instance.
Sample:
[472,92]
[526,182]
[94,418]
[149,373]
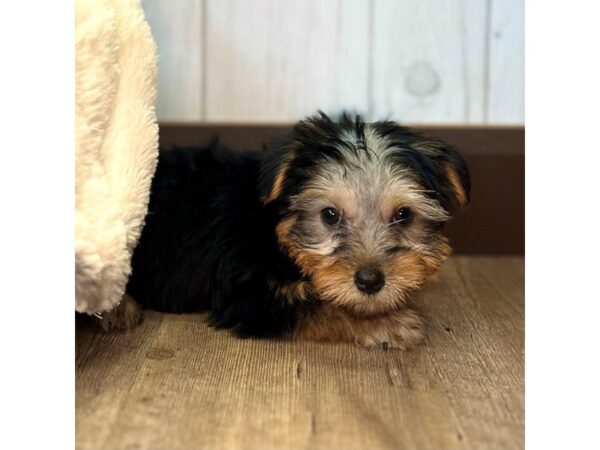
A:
[320,137]
[430,165]
[209,242]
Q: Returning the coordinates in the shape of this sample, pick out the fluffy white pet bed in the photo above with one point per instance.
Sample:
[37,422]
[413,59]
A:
[116,145]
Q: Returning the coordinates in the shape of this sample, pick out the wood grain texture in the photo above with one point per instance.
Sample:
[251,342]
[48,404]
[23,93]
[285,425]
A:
[175,383]
[273,60]
[177,30]
[429,60]
[422,61]
[506,85]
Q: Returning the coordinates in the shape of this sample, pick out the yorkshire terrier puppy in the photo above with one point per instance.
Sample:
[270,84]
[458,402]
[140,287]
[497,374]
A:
[324,235]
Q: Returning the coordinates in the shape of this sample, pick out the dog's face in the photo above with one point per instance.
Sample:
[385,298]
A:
[361,207]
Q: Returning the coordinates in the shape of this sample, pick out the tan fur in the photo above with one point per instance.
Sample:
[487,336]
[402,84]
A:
[403,328]
[332,279]
[461,196]
[283,231]
[298,291]
[124,316]
[278,184]
[433,261]
[392,200]
[415,268]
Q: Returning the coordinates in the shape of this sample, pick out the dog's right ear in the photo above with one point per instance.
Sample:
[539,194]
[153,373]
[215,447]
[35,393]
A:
[274,169]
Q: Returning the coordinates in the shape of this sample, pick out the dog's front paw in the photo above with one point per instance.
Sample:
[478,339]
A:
[124,316]
[402,329]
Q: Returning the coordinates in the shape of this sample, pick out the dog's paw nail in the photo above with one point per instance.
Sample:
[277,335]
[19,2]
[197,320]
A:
[385,345]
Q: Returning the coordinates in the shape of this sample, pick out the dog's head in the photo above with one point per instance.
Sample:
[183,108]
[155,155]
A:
[361,207]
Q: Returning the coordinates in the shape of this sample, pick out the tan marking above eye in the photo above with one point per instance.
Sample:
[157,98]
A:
[398,195]
[388,210]
[338,198]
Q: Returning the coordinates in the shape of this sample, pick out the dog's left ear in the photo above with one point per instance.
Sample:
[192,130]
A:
[449,167]
[458,176]
[455,193]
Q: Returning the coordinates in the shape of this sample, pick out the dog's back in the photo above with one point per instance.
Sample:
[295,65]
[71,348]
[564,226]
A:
[203,222]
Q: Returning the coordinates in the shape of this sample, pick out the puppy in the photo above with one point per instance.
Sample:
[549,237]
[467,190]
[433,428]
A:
[323,236]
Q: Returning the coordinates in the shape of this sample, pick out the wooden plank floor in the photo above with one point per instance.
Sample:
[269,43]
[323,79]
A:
[174,383]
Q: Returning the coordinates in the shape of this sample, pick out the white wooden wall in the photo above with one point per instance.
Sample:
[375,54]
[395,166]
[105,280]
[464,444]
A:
[418,61]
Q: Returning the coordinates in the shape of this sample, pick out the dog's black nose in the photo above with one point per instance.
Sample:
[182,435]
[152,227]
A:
[369,280]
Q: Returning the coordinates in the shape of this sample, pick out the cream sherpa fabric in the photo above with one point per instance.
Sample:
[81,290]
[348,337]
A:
[116,144]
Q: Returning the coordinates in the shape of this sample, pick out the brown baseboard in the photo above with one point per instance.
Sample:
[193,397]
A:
[494,222]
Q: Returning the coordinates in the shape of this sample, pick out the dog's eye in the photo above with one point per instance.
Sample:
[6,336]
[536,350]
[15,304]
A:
[331,216]
[402,216]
